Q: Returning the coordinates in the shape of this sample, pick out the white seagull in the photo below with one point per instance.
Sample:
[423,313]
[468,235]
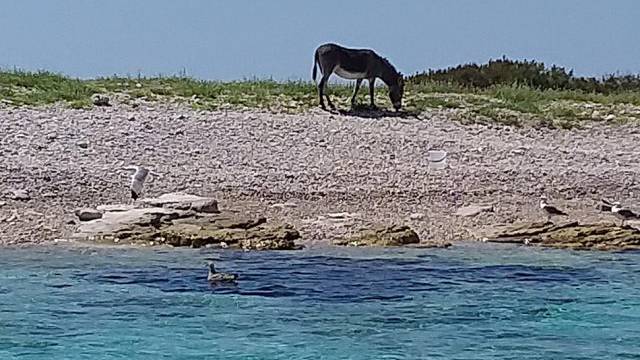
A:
[137,180]
[622,213]
[549,209]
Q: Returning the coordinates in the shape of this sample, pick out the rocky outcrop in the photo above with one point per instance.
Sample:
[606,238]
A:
[395,235]
[184,220]
[571,235]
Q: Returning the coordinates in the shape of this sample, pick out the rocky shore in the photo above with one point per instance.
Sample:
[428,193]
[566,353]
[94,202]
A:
[327,176]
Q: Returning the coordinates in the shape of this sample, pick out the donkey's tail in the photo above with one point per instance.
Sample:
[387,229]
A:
[315,66]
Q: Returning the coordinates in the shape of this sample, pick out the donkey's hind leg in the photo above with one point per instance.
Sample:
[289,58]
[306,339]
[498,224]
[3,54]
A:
[321,89]
[372,87]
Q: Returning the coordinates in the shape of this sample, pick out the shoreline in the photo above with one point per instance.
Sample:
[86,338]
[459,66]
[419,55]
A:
[298,168]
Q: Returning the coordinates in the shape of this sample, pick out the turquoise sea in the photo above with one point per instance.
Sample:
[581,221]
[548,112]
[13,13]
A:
[466,302]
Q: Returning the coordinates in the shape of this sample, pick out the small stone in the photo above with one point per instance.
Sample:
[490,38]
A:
[610,117]
[3,203]
[224,245]
[83,144]
[416,216]
[131,117]
[100,100]
[342,215]
[12,218]
[21,195]
[138,85]
[284,205]
[473,210]
[87,214]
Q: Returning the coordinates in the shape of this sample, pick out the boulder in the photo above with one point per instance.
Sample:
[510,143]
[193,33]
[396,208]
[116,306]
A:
[395,235]
[184,220]
[88,214]
[571,235]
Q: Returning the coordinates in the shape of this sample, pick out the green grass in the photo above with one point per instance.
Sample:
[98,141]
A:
[512,105]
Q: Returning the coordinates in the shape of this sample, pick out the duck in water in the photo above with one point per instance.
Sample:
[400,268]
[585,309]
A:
[218,277]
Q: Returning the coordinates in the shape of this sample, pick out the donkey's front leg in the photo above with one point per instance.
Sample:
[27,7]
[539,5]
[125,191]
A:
[355,93]
[372,85]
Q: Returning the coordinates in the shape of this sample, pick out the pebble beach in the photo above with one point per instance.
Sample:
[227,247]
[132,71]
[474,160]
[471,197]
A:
[326,174]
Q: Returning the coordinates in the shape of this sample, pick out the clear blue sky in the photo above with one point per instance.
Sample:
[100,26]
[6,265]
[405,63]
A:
[232,39]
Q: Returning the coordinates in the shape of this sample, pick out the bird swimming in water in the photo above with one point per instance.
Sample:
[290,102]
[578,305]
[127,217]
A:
[550,210]
[622,213]
[217,277]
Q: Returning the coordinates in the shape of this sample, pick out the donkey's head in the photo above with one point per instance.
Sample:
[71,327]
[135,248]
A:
[396,90]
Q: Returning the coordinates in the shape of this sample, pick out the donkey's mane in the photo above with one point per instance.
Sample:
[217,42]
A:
[389,64]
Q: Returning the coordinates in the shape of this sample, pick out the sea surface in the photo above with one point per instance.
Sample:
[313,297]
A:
[466,302]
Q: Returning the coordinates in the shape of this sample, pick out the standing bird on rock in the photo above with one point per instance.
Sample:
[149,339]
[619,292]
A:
[218,277]
[622,213]
[137,180]
[550,210]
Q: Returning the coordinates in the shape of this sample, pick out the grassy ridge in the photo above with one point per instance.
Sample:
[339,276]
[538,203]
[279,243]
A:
[510,104]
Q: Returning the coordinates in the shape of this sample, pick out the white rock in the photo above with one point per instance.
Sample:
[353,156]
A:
[416,216]
[341,215]
[21,195]
[183,201]
[284,205]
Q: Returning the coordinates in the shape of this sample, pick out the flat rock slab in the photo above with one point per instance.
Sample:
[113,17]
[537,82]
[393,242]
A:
[182,201]
[186,225]
[395,235]
[571,235]
[473,210]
